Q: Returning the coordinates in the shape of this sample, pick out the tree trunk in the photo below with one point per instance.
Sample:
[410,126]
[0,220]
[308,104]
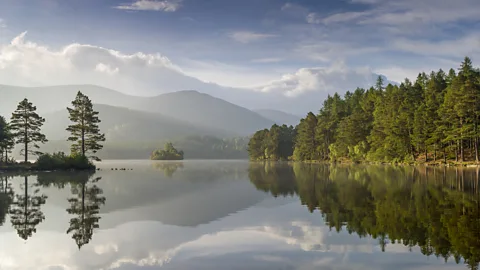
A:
[444,155]
[456,152]
[461,151]
[476,149]
[426,154]
[435,153]
[26,144]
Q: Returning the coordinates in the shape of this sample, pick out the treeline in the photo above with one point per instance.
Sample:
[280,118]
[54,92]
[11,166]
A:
[432,208]
[275,143]
[434,118]
[25,130]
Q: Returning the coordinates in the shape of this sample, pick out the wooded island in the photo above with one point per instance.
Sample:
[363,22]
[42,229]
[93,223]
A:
[434,119]
[24,129]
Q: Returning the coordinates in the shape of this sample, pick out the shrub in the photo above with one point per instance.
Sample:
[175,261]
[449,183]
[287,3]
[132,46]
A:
[60,161]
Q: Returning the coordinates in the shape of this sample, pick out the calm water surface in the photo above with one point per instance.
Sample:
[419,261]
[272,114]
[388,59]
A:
[237,215]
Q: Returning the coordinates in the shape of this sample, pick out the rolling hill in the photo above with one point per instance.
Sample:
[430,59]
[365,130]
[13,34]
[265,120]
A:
[186,106]
[123,124]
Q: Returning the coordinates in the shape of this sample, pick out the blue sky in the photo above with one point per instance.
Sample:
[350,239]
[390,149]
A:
[278,46]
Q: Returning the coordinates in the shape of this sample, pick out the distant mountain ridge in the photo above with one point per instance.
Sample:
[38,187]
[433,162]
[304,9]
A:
[193,107]
[123,124]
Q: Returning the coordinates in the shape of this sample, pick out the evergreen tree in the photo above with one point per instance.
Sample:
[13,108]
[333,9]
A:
[256,145]
[306,142]
[85,132]
[6,140]
[25,126]
[393,123]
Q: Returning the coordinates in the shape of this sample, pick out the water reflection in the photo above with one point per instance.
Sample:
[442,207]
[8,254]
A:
[25,209]
[168,168]
[84,206]
[6,197]
[218,215]
[436,209]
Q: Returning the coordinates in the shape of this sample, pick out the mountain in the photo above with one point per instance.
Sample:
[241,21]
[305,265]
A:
[188,106]
[123,124]
[279,117]
[205,110]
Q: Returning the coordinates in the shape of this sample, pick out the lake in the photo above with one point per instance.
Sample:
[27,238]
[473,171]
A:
[241,215]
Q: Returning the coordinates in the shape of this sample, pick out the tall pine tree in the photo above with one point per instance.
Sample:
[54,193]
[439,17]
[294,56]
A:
[85,132]
[25,125]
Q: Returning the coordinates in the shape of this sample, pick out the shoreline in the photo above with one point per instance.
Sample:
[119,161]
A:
[467,164]
[22,169]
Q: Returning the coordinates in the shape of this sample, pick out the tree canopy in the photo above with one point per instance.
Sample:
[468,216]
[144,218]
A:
[436,117]
[85,133]
[25,125]
[168,153]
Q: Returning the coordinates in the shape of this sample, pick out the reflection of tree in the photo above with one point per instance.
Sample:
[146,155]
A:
[25,212]
[434,208]
[168,168]
[6,197]
[85,205]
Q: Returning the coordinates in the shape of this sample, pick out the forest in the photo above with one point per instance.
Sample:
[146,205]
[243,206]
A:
[433,119]
[435,209]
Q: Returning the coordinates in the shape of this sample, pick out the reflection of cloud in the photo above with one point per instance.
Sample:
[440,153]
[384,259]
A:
[285,236]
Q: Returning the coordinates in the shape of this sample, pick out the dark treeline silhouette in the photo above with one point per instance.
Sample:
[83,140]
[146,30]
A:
[436,209]
[435,118]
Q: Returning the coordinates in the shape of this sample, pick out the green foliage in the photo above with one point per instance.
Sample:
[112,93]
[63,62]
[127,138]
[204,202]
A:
[60,161]
[168,153]
[437,113]
[439,214]
[274,144]
[25,126]
[85,132]
[7,141]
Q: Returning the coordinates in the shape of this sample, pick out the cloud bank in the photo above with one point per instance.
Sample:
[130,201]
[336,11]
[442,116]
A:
[26,63]
[153,5]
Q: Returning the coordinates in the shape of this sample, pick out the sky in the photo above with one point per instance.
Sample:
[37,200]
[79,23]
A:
[290,50]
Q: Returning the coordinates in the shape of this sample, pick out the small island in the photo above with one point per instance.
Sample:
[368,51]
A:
[24,130]
[168,153]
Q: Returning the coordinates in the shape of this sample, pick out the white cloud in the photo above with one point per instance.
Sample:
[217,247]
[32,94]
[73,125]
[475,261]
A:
[247,36]
[326,51]
[267,60]
[410,12]
[155,5]
[26,63]
[225,74]
[101,67]
[336,78]
[314,18]
[468,45]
